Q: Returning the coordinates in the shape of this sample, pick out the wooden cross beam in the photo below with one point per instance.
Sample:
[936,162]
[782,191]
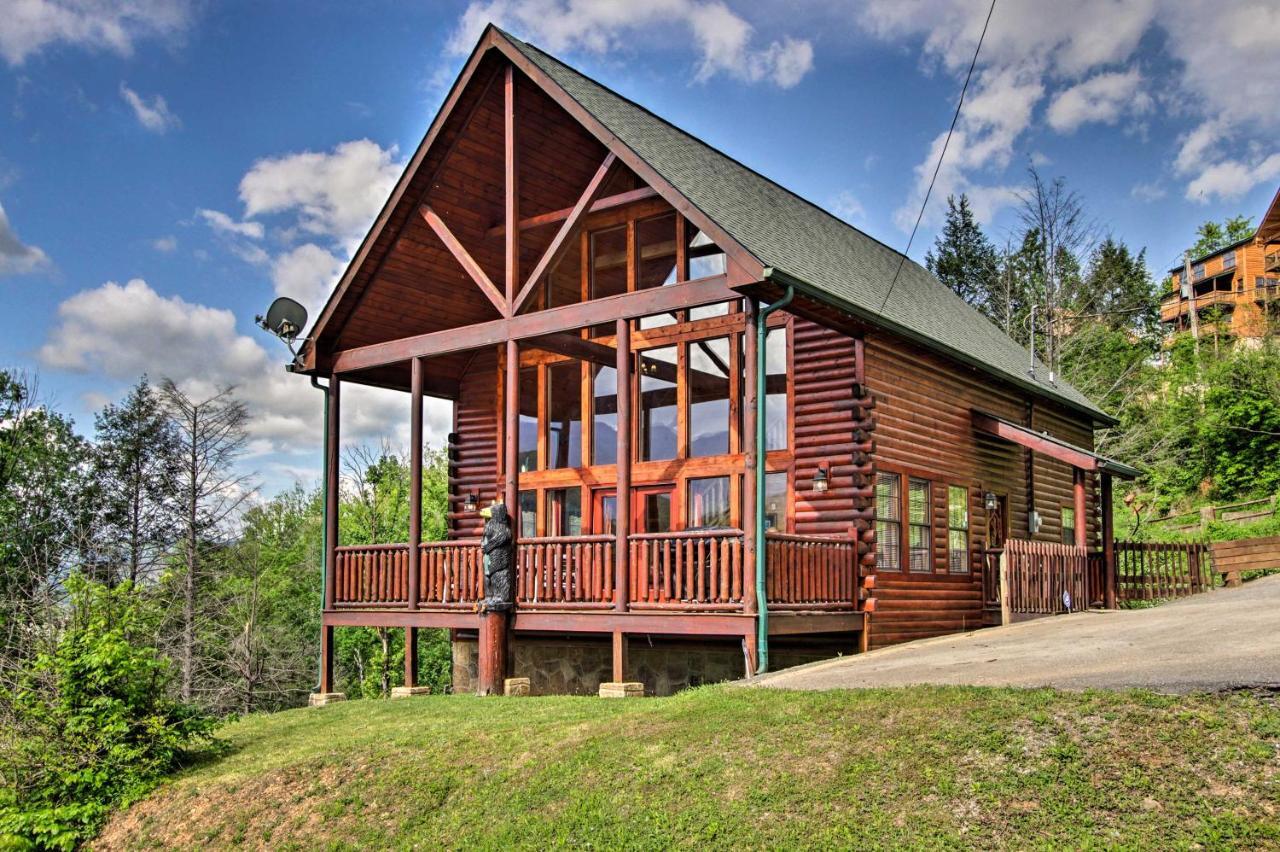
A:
[561,240]
[464,258]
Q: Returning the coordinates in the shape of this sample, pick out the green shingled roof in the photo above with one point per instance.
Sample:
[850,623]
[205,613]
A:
[800,243]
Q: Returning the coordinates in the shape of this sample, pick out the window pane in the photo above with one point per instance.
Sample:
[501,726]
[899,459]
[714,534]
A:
[921,537]
[609,262]
[958,549]
[564,511]
[528,514]
[657,511]
[604,409]
[564,415]
[888,528]
[709,397]
[775,501]
[1068,525]
[705,258]
[527,457]
[657,434]
[775,406]
[957,507]
[958,529]
[606,522]
[719,309]
[656,244]
[709,502]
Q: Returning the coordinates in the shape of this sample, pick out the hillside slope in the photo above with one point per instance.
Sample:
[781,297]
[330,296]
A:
[729,767]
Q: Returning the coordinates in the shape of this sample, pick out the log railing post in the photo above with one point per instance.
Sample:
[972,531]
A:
[622,498]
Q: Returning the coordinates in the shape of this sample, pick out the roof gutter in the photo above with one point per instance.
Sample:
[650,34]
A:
[785,279]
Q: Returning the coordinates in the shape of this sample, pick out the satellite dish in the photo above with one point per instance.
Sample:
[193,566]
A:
[285,319]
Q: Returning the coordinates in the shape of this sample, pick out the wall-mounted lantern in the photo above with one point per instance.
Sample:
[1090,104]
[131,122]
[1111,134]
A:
[471,502]
[820,479]
[991,501]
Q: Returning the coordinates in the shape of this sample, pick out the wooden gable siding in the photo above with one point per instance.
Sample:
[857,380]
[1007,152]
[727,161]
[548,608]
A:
[475,423]
[823,372]
[923,428]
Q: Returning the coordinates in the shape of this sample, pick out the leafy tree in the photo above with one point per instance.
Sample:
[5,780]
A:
[964,259]
[89,725]
[1211,236]
[136,468]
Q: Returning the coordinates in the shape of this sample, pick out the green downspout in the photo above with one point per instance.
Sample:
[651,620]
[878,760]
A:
[762,604]
[324,527]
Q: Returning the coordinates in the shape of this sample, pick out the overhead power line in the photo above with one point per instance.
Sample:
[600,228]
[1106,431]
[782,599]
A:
[941,155]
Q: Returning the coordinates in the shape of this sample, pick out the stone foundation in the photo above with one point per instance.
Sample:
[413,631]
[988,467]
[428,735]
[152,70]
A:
[579,665]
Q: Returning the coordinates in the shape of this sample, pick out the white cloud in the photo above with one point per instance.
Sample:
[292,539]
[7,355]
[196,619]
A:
[335,194]
[1148,192]
[306,273]
[166,244]
[848,207]
[1230,179]
[724,38]
[28,27]
[154,116]
[120,331]
[223,224]
[1218,68]
[1103,98]
[16,257]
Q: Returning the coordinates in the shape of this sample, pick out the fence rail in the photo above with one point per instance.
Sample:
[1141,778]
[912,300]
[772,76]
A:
[1147,570]
[811,572]
[565,571]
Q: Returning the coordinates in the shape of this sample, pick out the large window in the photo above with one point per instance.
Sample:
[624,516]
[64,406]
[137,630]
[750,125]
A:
[528,512]
[775,406]
[888,522]
[958,529]
[609,262]
[918,507]
[709,397]
[604,415]
[564,415]
[656,263]
[705,260]
[527,458]
[658,409]
[564,511]
[709,502]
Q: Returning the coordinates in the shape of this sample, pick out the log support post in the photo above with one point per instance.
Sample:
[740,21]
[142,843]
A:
[331,463]
[1108,544]
[415,484]
[1082,517]
[411,657]
[326,659]
[493,653]
[622,500]
[619,656]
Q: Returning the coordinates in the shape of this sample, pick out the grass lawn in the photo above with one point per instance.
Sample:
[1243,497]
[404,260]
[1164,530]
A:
[728,767]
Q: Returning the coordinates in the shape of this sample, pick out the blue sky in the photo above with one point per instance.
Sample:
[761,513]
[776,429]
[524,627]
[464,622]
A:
[167,168]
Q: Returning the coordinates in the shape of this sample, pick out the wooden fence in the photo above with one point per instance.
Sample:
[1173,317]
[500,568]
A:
[1230,558]
[811,572]
[1039,572]
[1199,520]
[1148,570]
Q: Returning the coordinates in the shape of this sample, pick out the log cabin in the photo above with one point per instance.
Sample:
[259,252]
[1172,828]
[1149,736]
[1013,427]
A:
[735,432]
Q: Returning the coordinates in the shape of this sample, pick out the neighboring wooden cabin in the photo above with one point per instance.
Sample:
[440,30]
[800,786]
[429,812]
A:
[552,244]
[1235,290]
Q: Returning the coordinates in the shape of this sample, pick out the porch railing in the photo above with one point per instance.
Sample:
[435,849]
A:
[811,572]
[1148,571]
[451,573]
[574,571]
[1039,572]
[377,575]
[698,570]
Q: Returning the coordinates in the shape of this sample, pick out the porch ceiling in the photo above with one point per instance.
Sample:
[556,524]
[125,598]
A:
[1056,448]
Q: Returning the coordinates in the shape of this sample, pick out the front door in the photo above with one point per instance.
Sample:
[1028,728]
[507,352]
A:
[650,510]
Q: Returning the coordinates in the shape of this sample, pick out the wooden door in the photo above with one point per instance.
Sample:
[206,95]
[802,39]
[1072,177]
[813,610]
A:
[651,509]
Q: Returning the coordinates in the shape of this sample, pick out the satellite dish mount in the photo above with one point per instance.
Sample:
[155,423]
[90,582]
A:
[285,319]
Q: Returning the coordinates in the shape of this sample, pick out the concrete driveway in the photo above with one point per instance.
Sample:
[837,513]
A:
[1224,639]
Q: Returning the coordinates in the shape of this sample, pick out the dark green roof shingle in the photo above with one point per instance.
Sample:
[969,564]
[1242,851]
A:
[806,245]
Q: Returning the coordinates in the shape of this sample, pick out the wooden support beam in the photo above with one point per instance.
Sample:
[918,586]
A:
[619,656]
[464,258]
[691,294]
[511,206]
[1082,517]
[568,343]
[411,656]
[1034,441]
[492,665]
[622,499]
[326,658]
[609,202]
[511,437]
[415,479]
[561,241]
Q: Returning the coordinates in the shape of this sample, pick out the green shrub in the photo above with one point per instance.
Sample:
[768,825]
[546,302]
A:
[89,725]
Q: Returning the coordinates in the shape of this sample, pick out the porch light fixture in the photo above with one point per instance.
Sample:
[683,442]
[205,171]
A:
[471,502]
[820,479]
[991,501]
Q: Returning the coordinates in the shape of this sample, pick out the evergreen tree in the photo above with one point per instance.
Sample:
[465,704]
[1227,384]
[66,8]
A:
[1120,290]
[965,260]
[1211,236]
[136,467]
